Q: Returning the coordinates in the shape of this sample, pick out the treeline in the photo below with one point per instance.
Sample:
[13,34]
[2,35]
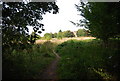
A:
[67,34]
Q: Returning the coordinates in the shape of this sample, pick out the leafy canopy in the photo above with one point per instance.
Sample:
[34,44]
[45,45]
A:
[102,19]
[17,16]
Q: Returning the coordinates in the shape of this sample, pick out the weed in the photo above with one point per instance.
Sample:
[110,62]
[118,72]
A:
[78,58]
[28,63]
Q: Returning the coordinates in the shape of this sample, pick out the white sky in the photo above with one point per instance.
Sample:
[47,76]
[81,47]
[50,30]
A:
[61,21]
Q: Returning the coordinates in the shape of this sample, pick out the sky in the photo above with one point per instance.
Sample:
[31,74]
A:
[61,21]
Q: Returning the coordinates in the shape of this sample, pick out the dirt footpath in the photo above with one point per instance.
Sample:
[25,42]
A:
[50,73]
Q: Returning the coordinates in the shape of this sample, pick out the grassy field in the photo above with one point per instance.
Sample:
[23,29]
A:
[58,41]
[88,60]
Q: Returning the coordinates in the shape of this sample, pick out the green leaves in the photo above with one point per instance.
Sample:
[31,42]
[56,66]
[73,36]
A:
[17,16]
[68,33]
[48,36]
[100,18]
[81,32]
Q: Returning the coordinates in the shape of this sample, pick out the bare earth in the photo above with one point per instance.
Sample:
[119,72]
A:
[50,72]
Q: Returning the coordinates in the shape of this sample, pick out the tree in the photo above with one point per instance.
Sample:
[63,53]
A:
[16,16]
[102,19]
[48,36]
[68,33]
[60,34]
[55,35]
[33,36]
[81,32]
[52,35]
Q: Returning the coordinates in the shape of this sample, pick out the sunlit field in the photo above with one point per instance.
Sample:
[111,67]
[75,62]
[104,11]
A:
[55,40]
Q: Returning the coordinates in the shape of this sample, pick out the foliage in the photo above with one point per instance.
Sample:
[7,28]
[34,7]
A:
[102,19]
[81,32]
[60,35]
[47,48]
[33,36]
[68,33]
[88,60]
[17,16]
[28,63]
[48,36]
[55,35]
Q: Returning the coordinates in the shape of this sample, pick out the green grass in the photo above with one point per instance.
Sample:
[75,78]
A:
[82,60]
[87,60]
[28,63]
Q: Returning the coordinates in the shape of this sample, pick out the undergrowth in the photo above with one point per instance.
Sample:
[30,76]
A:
[88,60]
[27,63]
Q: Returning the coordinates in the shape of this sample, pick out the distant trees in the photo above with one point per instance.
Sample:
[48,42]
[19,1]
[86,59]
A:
[48,36]
[55,35]
[60,34]
[81,32]
[68,33]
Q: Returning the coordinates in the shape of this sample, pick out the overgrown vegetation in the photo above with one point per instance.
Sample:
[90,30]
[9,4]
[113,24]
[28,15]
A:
[85,60]
[89,60]
[21,57]
[28,63]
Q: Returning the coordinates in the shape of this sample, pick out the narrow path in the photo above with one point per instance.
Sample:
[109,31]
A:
[50,72]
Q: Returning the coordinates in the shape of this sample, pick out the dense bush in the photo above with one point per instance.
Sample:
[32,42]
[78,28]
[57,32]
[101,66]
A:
[86,60]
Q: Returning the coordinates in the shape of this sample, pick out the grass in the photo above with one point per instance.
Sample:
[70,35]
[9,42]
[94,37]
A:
[80,59]
[87,60]
[28,63]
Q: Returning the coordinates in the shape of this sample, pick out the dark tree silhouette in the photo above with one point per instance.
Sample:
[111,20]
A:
[16,16]
[102,19]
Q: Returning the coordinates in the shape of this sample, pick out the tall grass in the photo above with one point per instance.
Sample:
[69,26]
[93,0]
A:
[28,63]
[87,60]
